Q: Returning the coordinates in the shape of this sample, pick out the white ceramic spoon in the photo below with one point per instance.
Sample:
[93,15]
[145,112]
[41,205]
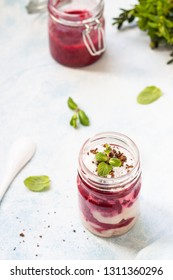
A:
[35,6]
[20,153]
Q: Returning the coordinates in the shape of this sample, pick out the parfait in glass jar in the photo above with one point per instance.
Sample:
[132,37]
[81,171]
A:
[109,183]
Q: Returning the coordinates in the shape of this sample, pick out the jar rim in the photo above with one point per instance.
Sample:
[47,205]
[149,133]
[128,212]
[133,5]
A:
[69,19]
[110,183]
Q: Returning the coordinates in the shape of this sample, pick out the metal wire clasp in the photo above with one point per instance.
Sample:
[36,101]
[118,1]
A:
[88,41]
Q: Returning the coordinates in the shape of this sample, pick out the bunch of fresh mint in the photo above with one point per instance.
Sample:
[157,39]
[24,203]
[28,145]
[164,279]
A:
[153,17]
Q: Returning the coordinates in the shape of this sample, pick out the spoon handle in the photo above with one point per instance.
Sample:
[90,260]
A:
[20,153]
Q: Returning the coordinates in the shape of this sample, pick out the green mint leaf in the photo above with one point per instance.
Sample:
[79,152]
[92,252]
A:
[149,95]
[107,146]
[71,104]
[83,118]
[107,150]
[73,121]
[101,157]
[103,169]
[37,183]
[116,162]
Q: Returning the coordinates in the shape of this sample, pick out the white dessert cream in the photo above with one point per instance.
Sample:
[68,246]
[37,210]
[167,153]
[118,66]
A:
[91,162]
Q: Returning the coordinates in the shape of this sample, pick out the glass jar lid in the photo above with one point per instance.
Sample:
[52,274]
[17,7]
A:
[105,183]
[59,10]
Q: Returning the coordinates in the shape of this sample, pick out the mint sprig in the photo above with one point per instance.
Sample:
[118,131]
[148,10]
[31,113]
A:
[79,115]
[106,161]
[153,17]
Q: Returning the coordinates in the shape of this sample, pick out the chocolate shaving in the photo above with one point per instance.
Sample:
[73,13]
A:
[119,155]
[112,174]
[129,166]
[94,151]
[111,154]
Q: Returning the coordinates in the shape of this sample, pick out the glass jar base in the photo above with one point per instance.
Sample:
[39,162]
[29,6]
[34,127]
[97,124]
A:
[74,63]
[110,232]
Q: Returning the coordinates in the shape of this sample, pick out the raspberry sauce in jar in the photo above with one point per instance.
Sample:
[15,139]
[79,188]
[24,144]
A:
[109,205]
[76,31]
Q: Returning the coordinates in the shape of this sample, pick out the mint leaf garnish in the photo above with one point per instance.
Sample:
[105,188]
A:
[103,169]
[101,157]
[71,104]
[149,95]
[79,116]
[108,159]
[116,162]
[37,183]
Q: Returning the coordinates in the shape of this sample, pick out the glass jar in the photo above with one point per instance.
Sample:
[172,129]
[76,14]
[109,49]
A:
[109,206]
[76,31]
